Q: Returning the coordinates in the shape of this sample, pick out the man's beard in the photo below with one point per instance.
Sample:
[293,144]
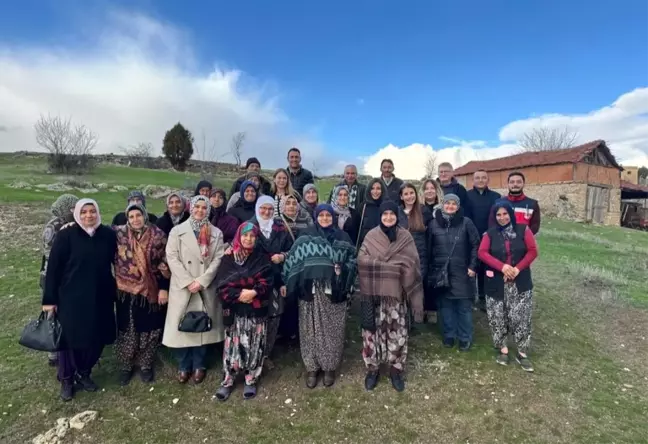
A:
[516,193]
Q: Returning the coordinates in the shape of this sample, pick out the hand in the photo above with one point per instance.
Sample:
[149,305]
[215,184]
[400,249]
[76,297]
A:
[338,269]
[163,297]
[471,273]
[247,296]
[277,258]
[507,270]
[515,271]
[49,308]
[228,251]
[282,291]
[194,287]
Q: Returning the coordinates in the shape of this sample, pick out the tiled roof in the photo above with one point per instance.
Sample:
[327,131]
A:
[537,158]
[633,186]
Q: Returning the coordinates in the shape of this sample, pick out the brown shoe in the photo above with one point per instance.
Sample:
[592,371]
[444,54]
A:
[199,376]
[329,378]
[183,377]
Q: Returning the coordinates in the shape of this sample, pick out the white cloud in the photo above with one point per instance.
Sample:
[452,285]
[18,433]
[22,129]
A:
[136,81]
[623,124]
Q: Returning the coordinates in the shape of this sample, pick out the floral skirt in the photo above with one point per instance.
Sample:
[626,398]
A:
[388,344]
[243,351]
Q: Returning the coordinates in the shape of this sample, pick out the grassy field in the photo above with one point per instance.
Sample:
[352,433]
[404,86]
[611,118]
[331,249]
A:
[590,353]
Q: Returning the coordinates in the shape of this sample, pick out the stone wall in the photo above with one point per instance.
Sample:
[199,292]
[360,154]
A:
[569,201]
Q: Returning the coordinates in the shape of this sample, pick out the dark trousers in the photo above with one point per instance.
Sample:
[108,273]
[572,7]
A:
[430,301]
[456,318]
[191,358]
[481,275]
[71,362]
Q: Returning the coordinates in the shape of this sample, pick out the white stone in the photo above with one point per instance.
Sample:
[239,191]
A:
[288,401]
[175,400]
[79,421]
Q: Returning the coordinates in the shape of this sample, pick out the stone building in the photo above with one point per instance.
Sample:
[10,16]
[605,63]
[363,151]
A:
[581,183]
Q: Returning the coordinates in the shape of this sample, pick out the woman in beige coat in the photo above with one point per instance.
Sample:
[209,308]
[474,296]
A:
[194,251]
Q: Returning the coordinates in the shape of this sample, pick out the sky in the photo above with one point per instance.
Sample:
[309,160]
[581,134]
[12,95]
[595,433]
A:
[346,82]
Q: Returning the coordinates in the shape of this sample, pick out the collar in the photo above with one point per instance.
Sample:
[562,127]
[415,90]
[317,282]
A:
[484,191]
[295,173]
[514,198]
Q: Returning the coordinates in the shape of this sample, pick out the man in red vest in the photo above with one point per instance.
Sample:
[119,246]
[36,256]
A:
[527,210]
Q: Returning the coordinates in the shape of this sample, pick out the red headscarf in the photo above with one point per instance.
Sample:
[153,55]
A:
[240,252]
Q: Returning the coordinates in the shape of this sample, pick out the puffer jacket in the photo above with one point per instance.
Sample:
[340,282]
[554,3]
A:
[441,236]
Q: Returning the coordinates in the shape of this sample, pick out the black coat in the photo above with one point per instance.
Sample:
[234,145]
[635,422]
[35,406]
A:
[480,204]
[236,186]
[121,219]
[352,225]
[280,241]
[393,189]
[421,239]
[300,179]
[441,236]
[80,283]
[242,210]
[165,223]
[455,187]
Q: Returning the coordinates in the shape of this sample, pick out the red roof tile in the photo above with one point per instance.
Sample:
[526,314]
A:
[537,158]
[633,186]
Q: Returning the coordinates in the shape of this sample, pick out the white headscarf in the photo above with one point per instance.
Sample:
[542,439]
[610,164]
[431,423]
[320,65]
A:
[77,215]
[264,225]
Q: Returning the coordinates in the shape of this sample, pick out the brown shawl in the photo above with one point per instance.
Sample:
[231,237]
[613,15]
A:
[140,262]
[391,269]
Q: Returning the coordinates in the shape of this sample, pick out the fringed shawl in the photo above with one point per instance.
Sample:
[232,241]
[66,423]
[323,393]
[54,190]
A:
[140,263]
[391,270]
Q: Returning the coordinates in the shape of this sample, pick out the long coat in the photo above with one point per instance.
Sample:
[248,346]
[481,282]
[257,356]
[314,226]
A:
[441,236]
[79,281]
[186,265]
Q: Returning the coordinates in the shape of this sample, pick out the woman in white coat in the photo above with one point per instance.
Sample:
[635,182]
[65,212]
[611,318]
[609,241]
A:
[194,251]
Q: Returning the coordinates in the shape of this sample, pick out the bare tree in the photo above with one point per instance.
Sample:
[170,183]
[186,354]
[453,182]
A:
[140,155]
[70,146]
[431,164]
[237,147]
[548,139]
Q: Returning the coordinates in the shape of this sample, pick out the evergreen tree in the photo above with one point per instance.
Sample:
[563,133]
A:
[178,146]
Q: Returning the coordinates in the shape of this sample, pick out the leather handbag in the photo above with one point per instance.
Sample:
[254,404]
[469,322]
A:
[195,321]
[42,334]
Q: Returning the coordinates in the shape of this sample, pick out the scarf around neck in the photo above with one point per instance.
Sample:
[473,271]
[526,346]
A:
[175,219]
[343,212]
[201,228]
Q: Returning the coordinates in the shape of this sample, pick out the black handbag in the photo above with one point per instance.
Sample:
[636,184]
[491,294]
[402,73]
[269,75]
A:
[441,280]
[195,321]
[42,334]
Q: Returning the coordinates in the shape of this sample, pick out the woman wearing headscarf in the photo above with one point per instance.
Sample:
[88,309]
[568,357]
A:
[193,252]
[274,241]
[311,199]
[142,293]
[348,219]
[281,186]
[370,214]
[175,214]
[295,217]
[244,209]
[219,217]
[508,249]
[134,197]
[203,188]
[390,287]
[62,213]
[260,183]
[80,287]
[320,270]
[245,283]
[431,194]
[453,240]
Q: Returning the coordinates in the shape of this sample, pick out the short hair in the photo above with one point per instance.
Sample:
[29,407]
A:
[351,166]
[445,164]
[389,161]
[516,173]
[295,149]
[481,170]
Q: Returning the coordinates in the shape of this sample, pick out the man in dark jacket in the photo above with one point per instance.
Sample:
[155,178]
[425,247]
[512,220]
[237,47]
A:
[391,182]
[449,185]
[134,197]
[299,176]
[527,210]
[357,190]
[481,199]
[251,166]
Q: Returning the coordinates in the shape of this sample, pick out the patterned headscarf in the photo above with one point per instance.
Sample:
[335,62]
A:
[136,194]
[201,228]
[508,230]
[282,205]
[77,215]
[141,208]
[343,212]
[64,206]
[264,225]
[241,253]
[175,218]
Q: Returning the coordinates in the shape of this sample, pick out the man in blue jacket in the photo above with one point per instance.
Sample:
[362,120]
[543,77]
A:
[450,185]
[481,200]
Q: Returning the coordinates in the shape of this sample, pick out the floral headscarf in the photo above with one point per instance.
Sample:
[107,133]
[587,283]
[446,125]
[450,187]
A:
[282,206]
[175,219]
[343,212]
[201,228]
[64,206]
[241,253]
[77,215]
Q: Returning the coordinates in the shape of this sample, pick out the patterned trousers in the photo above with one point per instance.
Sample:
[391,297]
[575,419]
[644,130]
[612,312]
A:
[133,348]
[388,344]
[321,332]
[244,348]
[271,335]
[511,314]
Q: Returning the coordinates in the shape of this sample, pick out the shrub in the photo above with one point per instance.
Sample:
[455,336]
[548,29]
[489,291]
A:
[178,146]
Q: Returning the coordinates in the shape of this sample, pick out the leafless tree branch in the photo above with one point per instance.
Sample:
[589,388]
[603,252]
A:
[237,147]
[68,145]
[548,139]
[431,164]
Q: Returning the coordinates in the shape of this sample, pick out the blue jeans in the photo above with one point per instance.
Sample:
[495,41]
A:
[191,358]
[456,319]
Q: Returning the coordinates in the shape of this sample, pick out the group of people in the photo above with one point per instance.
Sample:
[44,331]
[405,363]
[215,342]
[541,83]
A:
[272,261]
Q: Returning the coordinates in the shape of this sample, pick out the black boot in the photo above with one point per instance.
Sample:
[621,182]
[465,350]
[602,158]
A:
[125,377]
[397,380]
[329,378]
[371,380]
[67,390]
[87,383]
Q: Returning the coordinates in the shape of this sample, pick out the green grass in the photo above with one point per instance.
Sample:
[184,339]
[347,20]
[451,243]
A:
[589,325]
